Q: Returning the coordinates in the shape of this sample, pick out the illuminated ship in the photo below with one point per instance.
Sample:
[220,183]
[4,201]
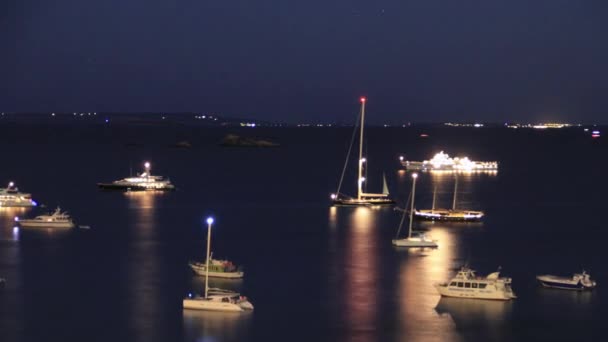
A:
[57,219]
[453,214]
[145,181]
[11,197]
[442,162]
[467,285]
[362,198]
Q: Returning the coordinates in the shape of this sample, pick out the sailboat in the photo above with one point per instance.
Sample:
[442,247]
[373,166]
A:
[216,299]
[448,214]
[362,198]
[419,240]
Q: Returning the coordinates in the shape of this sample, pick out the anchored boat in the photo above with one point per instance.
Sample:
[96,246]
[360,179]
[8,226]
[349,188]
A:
[218,269]
[418,240]
[442,162]
[11,197]
[57,219]
[215,299]
[362,198]
[467,285]
[145,181]
[453,214]
[578,282]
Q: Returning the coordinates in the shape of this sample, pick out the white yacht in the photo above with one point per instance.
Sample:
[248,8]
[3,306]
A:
[216,299]
[442,162]
[11,197]
[467,285]
[363,198]
[418,240]
[217,269]
[144,181]
[578,282]
[57,219]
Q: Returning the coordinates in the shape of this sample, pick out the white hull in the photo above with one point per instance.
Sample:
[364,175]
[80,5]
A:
[38,224]
[228,275]
[19,204]
[207,305]
[414,242]
[473,293]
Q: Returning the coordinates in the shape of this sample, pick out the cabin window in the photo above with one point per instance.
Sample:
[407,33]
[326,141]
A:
[460,285]
[474,285]
[467,285]
[453,283]
[482,286]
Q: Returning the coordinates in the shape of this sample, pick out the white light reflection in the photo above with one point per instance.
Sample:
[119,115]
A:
[144,265]
[419,270]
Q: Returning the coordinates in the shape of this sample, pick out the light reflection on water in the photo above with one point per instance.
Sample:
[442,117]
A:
[419,270]
[361,273]
[477,317]
[206,326]
[8,224]
[144,266]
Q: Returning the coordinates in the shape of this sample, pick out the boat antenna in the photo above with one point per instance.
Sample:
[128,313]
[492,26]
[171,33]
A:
[350,147]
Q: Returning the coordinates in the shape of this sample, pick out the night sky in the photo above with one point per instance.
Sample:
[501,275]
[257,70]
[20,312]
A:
[423,60]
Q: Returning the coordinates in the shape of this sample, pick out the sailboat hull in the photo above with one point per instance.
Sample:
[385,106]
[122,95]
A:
[414,242]
[449,215]
[363,202]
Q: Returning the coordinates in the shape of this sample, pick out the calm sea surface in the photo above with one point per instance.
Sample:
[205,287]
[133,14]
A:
[314,273]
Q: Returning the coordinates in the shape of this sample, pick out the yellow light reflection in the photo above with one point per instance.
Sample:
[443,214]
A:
[216,326]
[361,270]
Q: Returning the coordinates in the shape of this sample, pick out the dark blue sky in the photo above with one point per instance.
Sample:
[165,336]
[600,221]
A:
[423,60]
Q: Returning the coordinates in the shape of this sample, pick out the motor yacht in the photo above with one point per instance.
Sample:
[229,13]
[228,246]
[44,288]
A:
[144,181]
[57,219]
[467,285]
[11,197]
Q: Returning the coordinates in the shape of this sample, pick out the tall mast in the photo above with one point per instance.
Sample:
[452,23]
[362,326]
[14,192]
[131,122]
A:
[209,223]
[360,178]
[414,176]
[455,192]
[434,196]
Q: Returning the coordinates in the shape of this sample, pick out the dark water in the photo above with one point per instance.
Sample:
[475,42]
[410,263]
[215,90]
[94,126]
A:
[312,272]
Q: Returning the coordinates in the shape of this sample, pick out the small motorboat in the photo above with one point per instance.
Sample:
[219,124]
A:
[2,282]
[217,269]
[57,219]
[578,282]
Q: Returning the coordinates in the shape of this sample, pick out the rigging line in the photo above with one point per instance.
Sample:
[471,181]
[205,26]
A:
[405,212]
[352,141]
